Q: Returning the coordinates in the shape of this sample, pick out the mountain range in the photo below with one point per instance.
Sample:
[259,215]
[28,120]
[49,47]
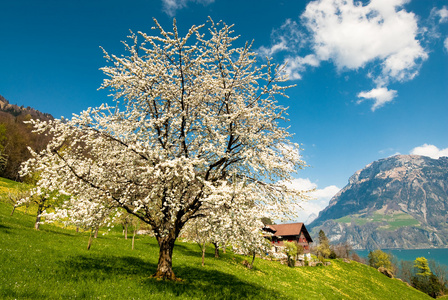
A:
[396,202]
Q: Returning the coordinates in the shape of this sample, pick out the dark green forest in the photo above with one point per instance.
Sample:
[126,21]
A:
[16,136]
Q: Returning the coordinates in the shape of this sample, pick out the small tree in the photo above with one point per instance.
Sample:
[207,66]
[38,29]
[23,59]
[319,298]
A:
[357,258]
[441,272]
[322,237]
[300,251]
[232,221]
[126,220]
[421,267]
[379,258]
[424,280]
[84,213]
[267,221]
[198,231]
[129,221]
[135,223]
[15,198]
[323,249]
[405,270]
[290,249]
[343,250]
[43,199]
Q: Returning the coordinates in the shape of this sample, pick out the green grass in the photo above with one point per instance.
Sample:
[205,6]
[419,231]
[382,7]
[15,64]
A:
[7,186]
[346,219]
[396,220]
[53,263]
[391,222]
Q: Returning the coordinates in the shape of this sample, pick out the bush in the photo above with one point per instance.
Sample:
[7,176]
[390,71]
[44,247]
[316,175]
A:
[291,262]
[291,253]
[379,258]
[425,280]
[332,255]
[429,285]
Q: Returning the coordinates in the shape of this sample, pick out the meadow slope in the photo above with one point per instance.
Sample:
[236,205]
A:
[53,263]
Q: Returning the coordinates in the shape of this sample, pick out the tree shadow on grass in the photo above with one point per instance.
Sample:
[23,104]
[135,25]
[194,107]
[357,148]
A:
[187,251]
[217,285]
[56,231]
[95,266]
[9,293]
[196,282]
[4,228]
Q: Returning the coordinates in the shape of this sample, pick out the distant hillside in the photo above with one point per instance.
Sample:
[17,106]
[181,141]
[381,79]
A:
[16,111]
[15,136]
[397,202]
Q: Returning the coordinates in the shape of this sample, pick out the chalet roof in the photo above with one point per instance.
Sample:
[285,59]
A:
[289,229]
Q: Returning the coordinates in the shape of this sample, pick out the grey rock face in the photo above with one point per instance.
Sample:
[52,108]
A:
[397,202]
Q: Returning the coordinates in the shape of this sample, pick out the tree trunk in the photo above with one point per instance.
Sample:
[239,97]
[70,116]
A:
[126,232]
[133,238]
[165,264]
[36,225]
[13,209]
[216,250]
[203,254]
[39,211]
[90,240]
[96,231]
[252,263]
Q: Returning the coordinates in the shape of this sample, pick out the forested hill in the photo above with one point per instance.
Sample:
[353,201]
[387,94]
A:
[396,202]
[15,136]
[17,111]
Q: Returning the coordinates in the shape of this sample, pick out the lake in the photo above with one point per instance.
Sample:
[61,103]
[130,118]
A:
[439,255]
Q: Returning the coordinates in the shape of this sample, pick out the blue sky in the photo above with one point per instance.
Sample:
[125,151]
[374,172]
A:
[371,76]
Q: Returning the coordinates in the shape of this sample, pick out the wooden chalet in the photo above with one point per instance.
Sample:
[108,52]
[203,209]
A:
[294,232]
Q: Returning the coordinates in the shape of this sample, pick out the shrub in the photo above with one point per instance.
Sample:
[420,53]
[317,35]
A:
[291,253]
[379,258]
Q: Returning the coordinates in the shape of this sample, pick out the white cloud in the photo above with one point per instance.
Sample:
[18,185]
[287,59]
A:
[279,46]
[286,38]
[380,36]
[443,14]
[445,43]
[352,35]
[320,197]
[298,64]
[380,96]
[171,6]
[430,150]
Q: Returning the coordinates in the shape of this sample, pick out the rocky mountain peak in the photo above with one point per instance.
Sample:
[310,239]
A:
[408,190]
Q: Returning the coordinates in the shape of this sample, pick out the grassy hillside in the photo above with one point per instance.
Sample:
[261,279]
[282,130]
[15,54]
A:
[391,221]
[53,263]
[7,186]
